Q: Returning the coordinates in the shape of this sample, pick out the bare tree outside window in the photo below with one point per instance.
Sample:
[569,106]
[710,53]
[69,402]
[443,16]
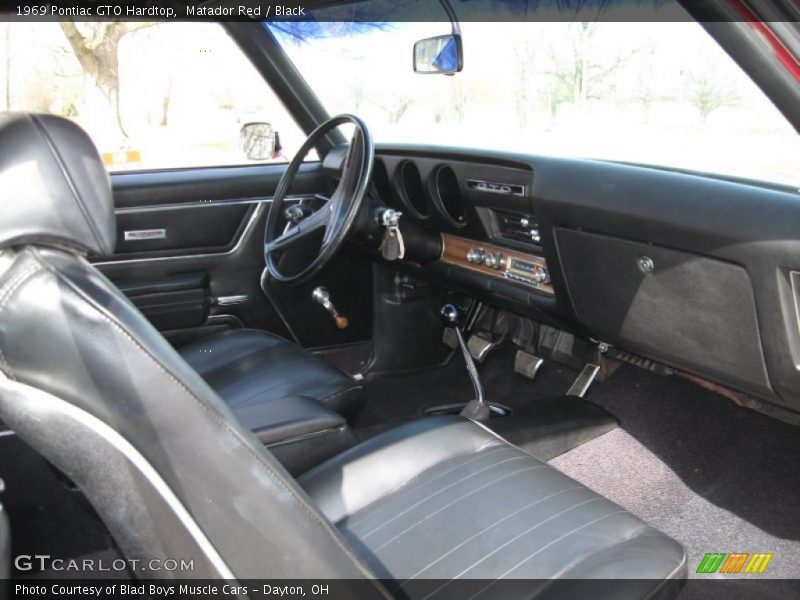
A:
[96,46]
[709,91]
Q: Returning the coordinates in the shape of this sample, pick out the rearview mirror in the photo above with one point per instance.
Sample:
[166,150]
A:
[259,141]
[441,54]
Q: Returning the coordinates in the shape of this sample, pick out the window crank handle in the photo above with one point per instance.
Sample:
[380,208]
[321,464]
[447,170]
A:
[322,296]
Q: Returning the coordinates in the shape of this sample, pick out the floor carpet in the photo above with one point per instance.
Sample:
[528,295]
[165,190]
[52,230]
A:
[716,477]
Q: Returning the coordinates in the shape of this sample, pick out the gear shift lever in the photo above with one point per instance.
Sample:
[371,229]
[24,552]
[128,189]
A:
[476,409]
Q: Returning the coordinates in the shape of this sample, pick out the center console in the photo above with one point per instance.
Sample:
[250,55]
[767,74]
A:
[300,432]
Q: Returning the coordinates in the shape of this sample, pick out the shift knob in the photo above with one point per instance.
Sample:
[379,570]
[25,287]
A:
[322,296]
[452,315]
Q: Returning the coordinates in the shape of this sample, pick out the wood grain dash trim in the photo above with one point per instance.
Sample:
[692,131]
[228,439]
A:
[454,252]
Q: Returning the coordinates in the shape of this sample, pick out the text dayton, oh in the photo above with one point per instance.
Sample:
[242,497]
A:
[258,11]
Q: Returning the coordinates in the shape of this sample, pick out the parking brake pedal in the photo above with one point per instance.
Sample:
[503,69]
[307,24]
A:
[584,380]
[527,364]
[479,347]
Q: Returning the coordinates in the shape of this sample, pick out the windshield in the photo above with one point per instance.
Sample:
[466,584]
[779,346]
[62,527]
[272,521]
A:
[662,93]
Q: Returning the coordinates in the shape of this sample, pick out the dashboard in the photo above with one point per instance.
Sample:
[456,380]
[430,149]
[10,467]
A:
[482,211]
[690,271]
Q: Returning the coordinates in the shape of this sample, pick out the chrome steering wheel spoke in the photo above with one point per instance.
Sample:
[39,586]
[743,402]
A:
[338,214]
[301,231]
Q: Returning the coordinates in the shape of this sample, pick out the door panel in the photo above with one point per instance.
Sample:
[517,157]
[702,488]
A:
[189,228]
[204,273]
[176,302]
[233,272]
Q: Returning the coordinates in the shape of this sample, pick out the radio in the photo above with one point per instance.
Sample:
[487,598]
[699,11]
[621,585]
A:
[512,265]
[512,268]
[526,272]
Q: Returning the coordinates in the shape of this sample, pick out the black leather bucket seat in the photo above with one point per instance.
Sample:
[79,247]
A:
[249,368]
[94,388]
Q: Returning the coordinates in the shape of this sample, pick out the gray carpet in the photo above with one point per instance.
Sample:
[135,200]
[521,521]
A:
[716,477]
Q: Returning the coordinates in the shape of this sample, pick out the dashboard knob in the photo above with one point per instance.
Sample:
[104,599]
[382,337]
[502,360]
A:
[494,260]
[540,275]
[476,255]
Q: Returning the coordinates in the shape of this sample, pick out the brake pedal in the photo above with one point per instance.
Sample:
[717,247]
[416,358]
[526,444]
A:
[479,347]
[449,338]
[584,380]
[527,364]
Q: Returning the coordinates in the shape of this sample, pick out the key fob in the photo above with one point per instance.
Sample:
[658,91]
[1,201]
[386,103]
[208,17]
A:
[391,246]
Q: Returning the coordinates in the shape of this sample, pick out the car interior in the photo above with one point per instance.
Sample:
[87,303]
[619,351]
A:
[400,366]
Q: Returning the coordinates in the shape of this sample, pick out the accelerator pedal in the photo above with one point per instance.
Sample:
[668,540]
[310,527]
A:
[584,380]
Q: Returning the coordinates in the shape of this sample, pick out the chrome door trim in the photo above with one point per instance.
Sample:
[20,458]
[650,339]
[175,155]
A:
[234,299]
[203,203]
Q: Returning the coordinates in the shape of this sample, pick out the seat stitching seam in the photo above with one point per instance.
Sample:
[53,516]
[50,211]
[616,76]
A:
[15,282]
[444,489]
[542,548]
[411,479]
[408,481]
[634,534]
[551,578]
[492,526]
[515,538]
[65,173]
[563,537]
[6,294]
[456,501]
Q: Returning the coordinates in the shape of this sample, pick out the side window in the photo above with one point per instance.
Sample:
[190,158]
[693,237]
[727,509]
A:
[151,95]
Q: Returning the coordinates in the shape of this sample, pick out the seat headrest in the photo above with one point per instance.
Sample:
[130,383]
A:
[54,188]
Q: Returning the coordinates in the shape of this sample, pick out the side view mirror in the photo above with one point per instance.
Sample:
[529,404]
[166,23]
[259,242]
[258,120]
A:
[259,141]
[441,54]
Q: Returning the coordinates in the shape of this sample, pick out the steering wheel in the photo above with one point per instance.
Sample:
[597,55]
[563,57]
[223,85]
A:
[338,214]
